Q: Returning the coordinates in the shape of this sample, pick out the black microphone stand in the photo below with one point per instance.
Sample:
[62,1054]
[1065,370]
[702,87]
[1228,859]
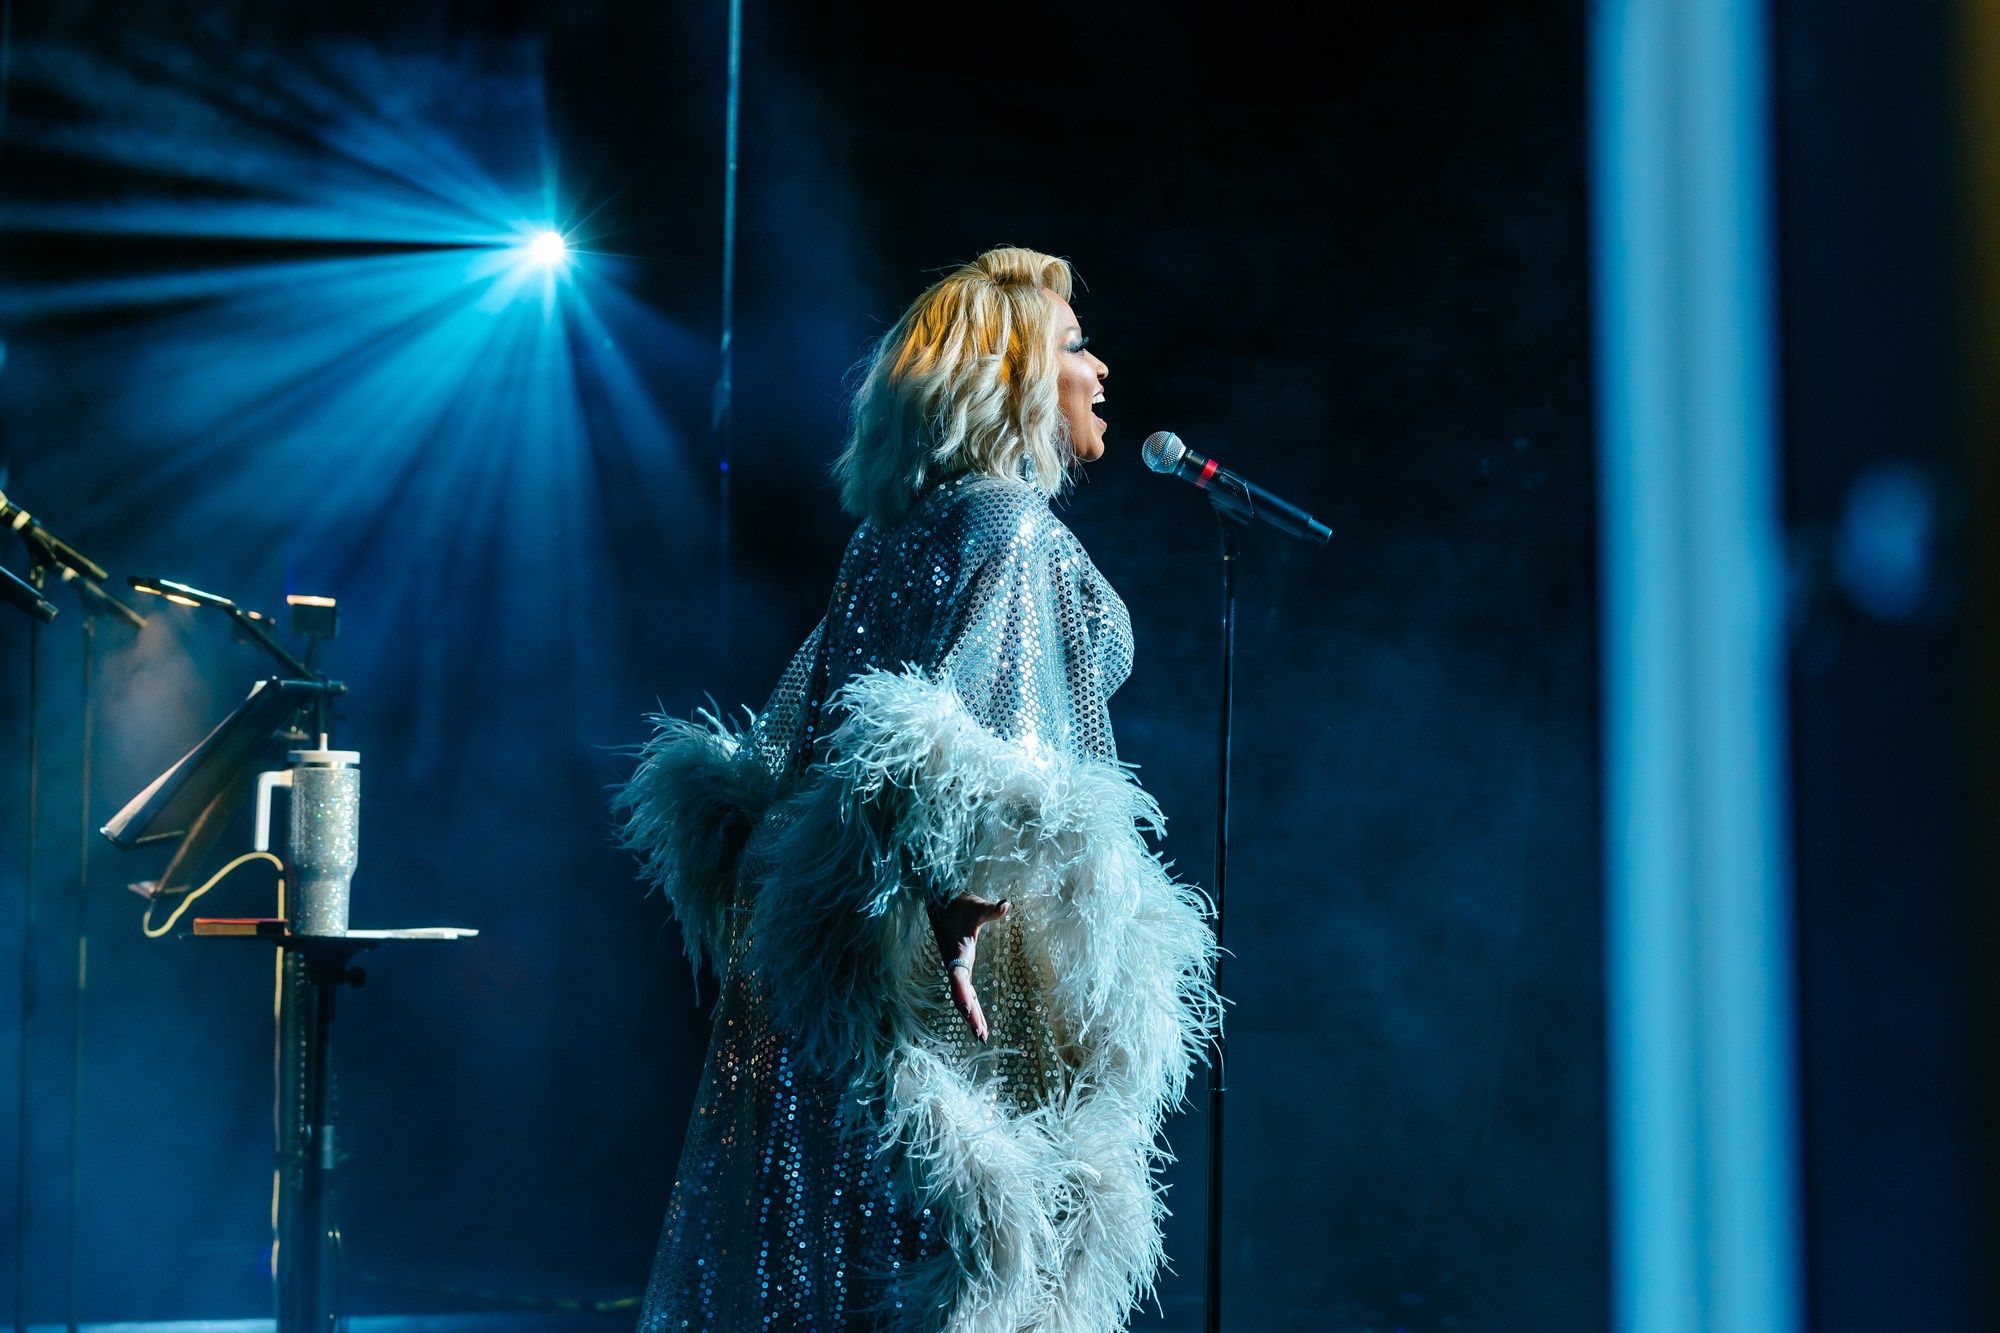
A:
[38,567]
[79,961]
[1232,517]
[1236,503]
[45,553]
[95,601]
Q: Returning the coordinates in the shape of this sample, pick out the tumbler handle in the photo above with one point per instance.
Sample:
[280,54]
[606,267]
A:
[265,783]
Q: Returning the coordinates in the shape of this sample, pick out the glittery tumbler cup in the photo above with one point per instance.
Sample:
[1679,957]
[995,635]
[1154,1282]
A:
[326,837]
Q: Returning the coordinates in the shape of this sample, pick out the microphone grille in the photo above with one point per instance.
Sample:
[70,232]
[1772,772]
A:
[1162,451]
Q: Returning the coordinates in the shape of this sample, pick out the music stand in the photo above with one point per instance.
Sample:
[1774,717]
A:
[186,801]
[189,801]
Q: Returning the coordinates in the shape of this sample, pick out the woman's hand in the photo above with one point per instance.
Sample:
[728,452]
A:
[957,925]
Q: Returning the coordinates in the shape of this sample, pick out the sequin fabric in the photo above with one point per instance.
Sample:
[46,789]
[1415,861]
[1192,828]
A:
[785,1215]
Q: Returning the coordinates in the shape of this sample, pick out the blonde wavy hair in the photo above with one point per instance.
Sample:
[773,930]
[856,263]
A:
[966,379]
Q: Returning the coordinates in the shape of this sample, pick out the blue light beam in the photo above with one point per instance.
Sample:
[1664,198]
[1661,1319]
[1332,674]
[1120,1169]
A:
[373,410]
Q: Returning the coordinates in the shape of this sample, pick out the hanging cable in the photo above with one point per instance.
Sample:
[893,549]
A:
[155,932]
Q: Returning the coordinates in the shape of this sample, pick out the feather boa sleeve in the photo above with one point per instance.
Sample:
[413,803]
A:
[916,783]
[698,790]
[1053,1218]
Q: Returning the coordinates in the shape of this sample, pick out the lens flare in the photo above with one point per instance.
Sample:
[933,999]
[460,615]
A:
[548,248]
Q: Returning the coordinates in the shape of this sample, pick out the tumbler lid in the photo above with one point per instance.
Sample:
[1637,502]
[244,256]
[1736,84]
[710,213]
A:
[326,758]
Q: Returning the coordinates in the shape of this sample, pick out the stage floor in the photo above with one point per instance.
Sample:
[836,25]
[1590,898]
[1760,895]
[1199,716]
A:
[536,1321]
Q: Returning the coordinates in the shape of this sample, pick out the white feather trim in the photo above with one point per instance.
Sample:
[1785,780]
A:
[689,806]
[1052,1216]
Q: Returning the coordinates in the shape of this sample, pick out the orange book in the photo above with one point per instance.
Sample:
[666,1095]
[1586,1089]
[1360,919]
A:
[261,926]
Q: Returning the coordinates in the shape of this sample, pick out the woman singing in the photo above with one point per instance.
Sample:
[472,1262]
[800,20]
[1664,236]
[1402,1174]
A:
[959,992]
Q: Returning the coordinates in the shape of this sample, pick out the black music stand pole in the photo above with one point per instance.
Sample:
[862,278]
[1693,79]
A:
[309,1258]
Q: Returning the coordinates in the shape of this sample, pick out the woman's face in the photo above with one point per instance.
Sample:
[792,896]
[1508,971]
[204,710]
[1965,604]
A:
[1081,385]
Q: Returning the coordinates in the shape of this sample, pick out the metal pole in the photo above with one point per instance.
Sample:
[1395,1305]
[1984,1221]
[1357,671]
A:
[82,967]
[723,422]
[1218,1082]
[21,1162]
[297,1274]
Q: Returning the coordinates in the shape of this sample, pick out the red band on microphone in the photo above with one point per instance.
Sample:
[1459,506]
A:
[1207,473]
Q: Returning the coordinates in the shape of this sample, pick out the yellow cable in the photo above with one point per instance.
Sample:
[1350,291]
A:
[277,997]
[146,924]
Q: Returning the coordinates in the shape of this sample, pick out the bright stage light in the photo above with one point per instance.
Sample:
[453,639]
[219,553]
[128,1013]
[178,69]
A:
[548,248]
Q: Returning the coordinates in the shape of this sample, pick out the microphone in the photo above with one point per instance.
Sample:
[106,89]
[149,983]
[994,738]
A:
[94,594]
[1164,452]
[19,592]
[59,551]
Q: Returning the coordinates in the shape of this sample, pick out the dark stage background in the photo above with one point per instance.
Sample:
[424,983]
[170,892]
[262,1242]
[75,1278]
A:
[1347,257]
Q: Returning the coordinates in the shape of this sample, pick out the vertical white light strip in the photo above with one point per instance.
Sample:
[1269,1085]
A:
[1698,921]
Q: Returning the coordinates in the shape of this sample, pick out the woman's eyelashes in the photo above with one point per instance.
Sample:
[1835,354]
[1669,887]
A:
[1079,345]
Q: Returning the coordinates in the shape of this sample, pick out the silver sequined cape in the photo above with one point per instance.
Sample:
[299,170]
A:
[856,1159]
